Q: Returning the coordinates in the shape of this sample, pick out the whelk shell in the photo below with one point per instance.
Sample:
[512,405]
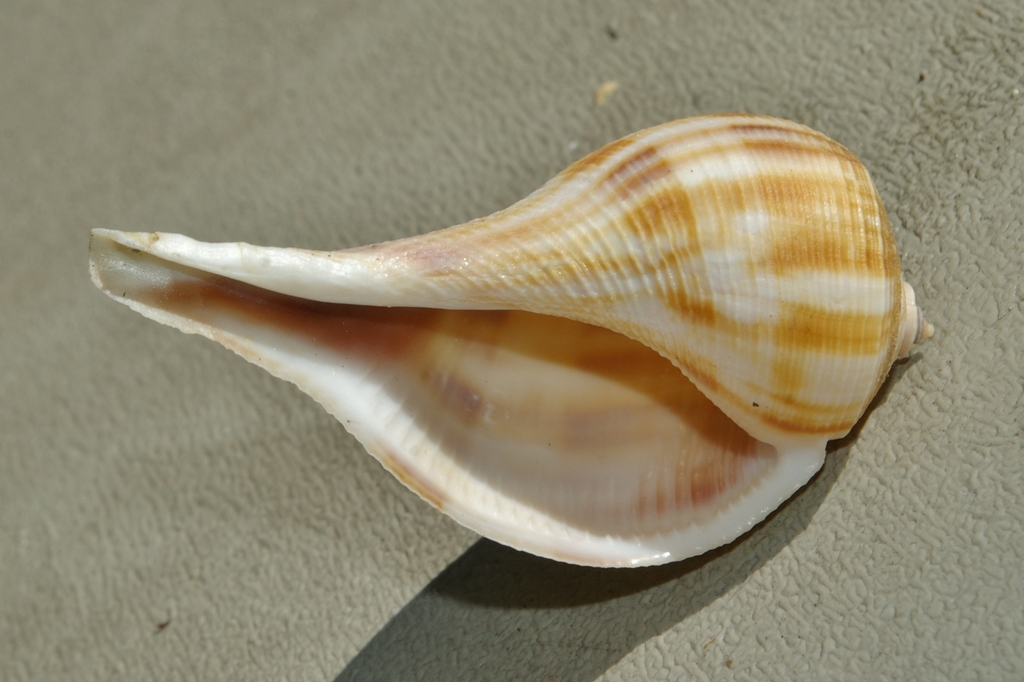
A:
[517,371]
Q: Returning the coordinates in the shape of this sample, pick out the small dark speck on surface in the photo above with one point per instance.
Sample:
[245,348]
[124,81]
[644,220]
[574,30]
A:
[160,627]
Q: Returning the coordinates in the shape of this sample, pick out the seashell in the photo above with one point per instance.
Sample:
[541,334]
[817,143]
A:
[632,365]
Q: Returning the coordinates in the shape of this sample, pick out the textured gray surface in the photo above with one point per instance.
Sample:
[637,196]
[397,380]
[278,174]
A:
[168,512]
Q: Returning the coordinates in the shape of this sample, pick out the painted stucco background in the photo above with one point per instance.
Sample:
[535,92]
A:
[168,511]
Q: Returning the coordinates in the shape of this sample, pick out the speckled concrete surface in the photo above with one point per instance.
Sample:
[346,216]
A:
[170,512]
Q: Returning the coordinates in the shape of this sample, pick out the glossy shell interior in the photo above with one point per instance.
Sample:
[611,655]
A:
[553,436]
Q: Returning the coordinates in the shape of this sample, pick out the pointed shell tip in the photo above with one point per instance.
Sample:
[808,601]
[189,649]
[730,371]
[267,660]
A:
[914,327]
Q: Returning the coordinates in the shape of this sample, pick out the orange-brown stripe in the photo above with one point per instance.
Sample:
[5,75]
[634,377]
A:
[788,374]
[638,172]
[812,328]
[661,213]
[596,158]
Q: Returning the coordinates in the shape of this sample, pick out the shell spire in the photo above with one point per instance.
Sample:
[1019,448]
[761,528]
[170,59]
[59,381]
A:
[913,327]
[751,253]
